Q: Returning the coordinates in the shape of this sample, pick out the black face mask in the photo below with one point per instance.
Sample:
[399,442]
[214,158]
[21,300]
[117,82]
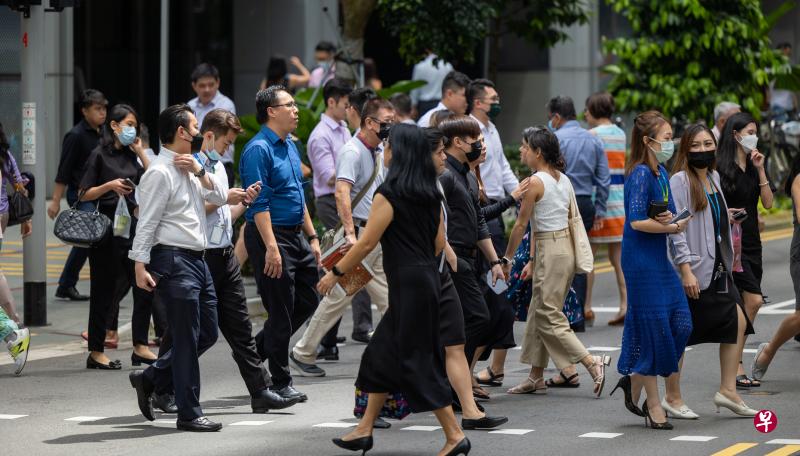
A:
[383,133]
[475,151]
[701,160]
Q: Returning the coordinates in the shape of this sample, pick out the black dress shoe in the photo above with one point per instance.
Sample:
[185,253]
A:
[137,360]
[304,369]
[144,393]
[288,392]
[165,402]
[70,293]
[457,406]
[361,337]
[112,365]
[463,447]
[362,444]
[340,339]
[201,424]
[328,353]
[380,423]
[266,399]
[487,422]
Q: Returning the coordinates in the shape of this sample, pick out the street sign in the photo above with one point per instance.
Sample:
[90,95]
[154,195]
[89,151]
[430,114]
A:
[28,133]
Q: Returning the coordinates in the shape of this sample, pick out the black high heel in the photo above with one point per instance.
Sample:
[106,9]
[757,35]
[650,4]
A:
[625,384]
[137,360]
[463,447]
[665,426]
[362,444]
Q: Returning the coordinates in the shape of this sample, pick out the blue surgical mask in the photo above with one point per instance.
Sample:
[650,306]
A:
[127,136]
[550,125]
[213,155]
[667,149]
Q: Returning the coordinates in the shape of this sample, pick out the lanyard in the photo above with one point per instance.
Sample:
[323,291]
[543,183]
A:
[664,186]
[715,207]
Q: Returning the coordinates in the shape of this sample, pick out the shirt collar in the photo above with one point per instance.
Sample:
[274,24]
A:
[462,168]
[211,103]
[332,124]
[570,124]
[366,146]
[484,127]
[166,153]
[271,136]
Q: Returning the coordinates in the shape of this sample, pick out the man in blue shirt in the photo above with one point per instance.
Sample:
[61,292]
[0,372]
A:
[587,169]
[284,262]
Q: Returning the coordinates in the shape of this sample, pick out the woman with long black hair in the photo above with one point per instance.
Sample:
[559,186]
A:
[112,171]
[744,181]
[405,353]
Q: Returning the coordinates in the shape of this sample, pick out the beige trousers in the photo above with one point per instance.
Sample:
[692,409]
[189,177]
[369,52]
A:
[547,331]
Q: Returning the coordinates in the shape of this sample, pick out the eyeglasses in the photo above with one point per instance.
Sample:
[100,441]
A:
[290,105]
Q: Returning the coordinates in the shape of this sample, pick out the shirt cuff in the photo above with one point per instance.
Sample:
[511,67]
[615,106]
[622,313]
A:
[139,256]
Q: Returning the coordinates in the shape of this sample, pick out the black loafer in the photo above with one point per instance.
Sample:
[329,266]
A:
[70,293]
[265,400]
[328,353]
[144,393]
[200,424]
[288,392]
[137,360]
[380,423]
[340,339]
[361,337]
[112,365]
[165,402]
[487,422]
[304,369]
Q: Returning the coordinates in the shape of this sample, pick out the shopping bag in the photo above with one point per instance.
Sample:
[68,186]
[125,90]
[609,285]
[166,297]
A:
[736,234]
[122,219]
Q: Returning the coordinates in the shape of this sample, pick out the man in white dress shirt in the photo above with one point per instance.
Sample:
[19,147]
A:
[168,250]
[454,97]
[428,96]
[205,83]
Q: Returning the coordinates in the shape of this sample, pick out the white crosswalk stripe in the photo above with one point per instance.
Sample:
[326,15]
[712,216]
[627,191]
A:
[600,435]
[422,428]
[81,419]
[334,425]
[250,423]
[11,417]
[693,438]
[512,431]
[784,442]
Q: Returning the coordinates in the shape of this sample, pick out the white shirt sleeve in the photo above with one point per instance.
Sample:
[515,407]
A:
[152,193]
[218,196]
[510,181]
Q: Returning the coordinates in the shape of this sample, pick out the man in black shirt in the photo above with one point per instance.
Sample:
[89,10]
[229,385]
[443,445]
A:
[78,144]
[467,232]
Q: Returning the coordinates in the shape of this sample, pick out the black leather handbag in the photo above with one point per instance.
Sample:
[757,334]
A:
[20,208]
[81,228]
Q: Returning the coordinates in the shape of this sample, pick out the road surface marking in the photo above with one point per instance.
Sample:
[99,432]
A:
[250,423]
[784,442]
[334,425]
[11,417]
[600,435]
[735,449]
[421,428]
[693,438]
[81,419]
[784,451]
[603,349]
[512,431]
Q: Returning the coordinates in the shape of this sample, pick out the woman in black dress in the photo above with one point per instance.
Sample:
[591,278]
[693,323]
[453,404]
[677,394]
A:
[703,255]
[744,181]
[405,353]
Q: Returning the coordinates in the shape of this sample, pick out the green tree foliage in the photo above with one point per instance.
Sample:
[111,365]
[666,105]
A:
[454,29]
[685,56]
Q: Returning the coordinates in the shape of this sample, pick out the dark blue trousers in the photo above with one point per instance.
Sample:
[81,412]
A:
[186,289]
[77,256]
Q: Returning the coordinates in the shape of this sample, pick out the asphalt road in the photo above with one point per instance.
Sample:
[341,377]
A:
[58,408]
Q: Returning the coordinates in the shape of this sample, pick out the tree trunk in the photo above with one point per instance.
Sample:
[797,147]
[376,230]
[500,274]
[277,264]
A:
[356,15]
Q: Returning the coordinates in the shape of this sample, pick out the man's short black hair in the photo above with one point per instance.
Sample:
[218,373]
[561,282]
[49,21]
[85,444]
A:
[205,70]
[784,45]
[336,88]
[325,46]
[477,89]
[402,103]
[267,98]
[91,97]
[372,107]
[360,96]
[455,80]
[170,119]
[563,106]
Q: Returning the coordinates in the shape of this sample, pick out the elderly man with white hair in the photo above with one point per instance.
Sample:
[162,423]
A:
[721,113]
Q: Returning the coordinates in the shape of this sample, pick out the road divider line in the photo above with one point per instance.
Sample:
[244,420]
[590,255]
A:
[735,449]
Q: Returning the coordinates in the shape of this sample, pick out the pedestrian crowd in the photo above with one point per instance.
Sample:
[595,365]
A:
[412,192]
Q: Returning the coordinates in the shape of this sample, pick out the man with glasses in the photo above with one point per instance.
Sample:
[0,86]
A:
[359,165]
[285,263]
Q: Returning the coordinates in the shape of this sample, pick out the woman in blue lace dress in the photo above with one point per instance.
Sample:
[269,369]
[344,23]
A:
[658,322]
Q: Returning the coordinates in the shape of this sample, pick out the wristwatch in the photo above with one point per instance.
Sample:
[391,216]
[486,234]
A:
[502,261]
[200,173]
[337,272]
[312,237]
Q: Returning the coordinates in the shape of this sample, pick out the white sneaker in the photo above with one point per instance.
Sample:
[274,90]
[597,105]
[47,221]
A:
[681,413]
[18,348]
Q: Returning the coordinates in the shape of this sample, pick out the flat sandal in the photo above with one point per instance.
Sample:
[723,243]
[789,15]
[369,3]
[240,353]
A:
[528,386]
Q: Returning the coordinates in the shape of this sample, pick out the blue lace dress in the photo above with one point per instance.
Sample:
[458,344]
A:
[658,322]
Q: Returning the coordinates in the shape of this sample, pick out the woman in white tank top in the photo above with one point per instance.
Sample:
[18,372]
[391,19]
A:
[552,267]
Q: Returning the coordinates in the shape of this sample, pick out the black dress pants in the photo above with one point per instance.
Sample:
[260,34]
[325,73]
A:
[289,300]
[476,313]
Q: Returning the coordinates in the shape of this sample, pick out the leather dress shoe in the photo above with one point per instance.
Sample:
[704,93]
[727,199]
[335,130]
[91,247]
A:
[487,422]
[328,353]
[288,392]
[340,339]
[267,399]
[112,365]
[380,423]
[137,360]
[70,293]
[200,424]
[144,393]
[165,402]
[361,337]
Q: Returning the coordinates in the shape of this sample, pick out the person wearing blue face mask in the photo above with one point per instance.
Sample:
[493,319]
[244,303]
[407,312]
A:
[110,170]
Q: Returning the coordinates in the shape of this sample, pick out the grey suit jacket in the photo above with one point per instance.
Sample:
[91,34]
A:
[696,244]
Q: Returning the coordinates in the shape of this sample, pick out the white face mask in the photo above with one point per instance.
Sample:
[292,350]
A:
[749,142]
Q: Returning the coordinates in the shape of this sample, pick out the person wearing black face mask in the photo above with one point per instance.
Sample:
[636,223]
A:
[468,233]
[703,254]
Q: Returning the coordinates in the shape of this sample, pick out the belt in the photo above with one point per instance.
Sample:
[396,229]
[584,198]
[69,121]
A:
[194,253]
[540,235]
[360,223]
[465,252]
[289,229]
[222,251]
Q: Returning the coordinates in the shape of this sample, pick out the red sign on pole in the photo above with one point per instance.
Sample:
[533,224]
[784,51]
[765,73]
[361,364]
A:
[25,39]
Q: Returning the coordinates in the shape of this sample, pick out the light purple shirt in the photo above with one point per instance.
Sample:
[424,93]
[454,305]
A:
[323,144]
[200,110]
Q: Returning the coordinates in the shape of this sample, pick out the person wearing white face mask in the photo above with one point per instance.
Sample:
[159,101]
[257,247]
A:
[744,181]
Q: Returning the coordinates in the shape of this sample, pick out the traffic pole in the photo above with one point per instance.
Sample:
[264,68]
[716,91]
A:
[34,152]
